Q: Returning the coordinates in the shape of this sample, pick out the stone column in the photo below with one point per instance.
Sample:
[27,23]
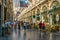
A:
[2,14]
[51,20]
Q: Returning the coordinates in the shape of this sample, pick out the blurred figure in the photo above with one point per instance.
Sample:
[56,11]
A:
[19,25]
[7,27]
[42,26]
[25,25]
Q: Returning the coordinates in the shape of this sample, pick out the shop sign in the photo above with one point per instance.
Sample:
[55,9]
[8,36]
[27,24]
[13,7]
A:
[23,3]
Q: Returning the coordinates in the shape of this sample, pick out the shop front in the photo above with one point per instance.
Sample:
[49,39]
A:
[54,15]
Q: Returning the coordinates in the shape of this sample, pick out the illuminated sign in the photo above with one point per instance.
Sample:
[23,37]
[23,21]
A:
[23,3]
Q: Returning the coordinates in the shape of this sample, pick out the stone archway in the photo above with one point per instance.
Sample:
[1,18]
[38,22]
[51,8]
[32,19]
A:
[55,4]
[44,8]
[44,13]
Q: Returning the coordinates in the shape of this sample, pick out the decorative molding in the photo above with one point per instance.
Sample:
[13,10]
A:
[32,7]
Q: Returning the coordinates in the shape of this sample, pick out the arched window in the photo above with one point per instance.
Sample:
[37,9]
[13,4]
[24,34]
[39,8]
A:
[38,14]
[44,8]
[55,4]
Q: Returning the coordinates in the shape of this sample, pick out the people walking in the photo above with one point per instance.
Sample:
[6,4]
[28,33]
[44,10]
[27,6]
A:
[42,26]
[19,25]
